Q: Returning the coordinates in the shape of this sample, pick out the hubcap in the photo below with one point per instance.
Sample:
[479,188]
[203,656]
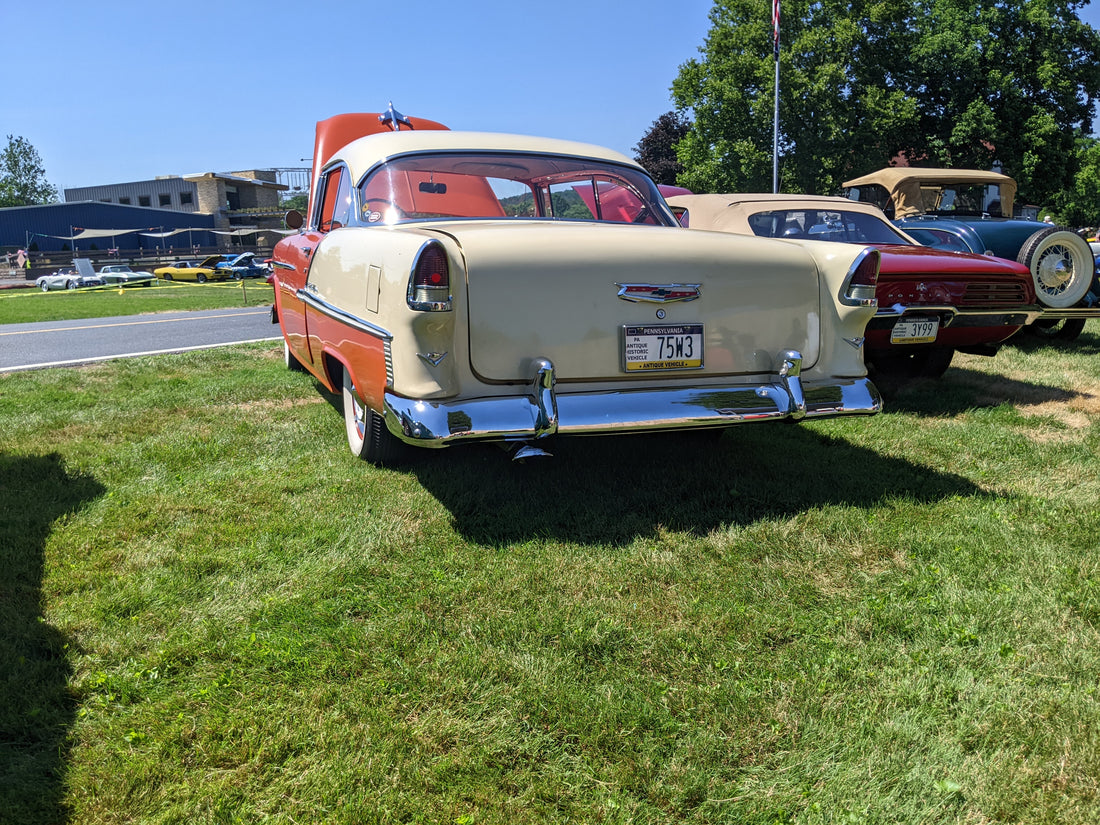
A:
[1055,270]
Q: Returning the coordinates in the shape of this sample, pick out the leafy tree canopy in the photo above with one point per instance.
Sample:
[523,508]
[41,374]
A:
[656,151]
[961,83]
[22,177]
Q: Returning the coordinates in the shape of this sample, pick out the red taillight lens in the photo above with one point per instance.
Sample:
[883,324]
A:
[430,284]
[863,279]
[866,273]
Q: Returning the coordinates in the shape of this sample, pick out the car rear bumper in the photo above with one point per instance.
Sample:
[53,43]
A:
[542,411]
[956,317]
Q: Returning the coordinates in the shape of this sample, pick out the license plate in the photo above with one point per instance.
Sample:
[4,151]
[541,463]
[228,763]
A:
[663,347]
[915,331]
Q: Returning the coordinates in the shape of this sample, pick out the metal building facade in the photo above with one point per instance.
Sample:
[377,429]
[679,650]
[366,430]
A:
[50,228]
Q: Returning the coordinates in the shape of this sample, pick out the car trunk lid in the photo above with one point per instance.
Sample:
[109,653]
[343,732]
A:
[574,293]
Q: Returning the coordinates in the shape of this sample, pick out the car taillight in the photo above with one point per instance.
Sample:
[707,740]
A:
[430,284]
[862,279]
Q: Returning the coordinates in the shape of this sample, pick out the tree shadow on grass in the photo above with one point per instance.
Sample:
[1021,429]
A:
[36,709]
[615,489]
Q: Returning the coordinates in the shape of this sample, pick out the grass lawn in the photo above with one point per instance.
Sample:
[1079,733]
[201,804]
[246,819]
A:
[19,306]
[214,614]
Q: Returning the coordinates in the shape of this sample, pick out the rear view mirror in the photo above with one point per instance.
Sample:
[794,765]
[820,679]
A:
[293,219]
[433,188]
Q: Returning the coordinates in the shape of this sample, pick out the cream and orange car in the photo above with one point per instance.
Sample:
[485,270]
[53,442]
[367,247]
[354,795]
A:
[460,286]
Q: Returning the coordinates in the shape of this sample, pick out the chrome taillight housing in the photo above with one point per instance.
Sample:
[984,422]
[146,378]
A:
[430,282]
[862,279]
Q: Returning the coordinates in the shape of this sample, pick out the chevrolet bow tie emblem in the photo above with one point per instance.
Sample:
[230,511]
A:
[658,293]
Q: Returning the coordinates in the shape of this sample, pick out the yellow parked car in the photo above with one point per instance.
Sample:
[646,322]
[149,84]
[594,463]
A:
[201,271]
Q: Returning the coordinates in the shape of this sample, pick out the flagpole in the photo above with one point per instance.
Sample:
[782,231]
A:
[775,118]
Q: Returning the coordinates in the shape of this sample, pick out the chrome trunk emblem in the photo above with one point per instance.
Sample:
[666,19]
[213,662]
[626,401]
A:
[433,358]
[658,293]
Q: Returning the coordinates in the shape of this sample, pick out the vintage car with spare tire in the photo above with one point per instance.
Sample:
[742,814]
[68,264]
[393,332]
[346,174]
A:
[972,210]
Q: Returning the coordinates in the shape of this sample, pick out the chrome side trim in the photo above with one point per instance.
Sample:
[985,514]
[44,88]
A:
[284,265]
[387,350]
[311,298]
[541,410]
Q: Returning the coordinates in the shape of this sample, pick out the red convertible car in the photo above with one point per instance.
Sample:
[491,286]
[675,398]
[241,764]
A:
[931,303]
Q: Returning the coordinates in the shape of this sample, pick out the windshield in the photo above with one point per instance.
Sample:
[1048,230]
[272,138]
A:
[825,225]
[508,186]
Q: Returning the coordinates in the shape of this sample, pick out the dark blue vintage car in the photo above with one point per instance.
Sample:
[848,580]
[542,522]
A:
[244,265]
[970,210]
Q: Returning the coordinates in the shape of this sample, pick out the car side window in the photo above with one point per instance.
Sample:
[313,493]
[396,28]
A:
[335,200]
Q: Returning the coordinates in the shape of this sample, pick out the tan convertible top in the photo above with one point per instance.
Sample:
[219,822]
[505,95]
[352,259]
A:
[730,212]
[904,184]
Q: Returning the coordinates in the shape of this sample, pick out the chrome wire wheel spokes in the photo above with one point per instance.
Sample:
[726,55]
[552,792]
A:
[1061,265]
[1055,271]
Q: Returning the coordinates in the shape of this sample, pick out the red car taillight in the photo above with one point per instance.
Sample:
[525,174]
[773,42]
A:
[862,279]
[430,284]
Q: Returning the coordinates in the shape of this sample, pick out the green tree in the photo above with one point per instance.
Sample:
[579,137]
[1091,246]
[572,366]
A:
[22,177]
[944,82]
[656,151]
[1079,205]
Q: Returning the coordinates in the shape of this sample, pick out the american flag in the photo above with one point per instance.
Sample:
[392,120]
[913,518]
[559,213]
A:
[775,26]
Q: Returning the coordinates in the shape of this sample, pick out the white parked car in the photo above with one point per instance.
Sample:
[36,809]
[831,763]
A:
[67,278]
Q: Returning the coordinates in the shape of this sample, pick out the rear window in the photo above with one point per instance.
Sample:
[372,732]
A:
[508,186]
[825,225]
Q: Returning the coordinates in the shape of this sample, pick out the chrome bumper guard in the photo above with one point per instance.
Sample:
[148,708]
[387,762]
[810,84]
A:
[958,316]
[542,412]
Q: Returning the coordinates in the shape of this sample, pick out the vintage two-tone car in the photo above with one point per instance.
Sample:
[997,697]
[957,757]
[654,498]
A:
[457,287]
[971,210]
[931,303]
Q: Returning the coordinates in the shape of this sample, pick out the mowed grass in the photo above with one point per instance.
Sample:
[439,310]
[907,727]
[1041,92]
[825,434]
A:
[19,306]
[214,614]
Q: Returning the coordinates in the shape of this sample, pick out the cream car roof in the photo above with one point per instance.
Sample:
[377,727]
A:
[730,212]
[904,183]
[363,153]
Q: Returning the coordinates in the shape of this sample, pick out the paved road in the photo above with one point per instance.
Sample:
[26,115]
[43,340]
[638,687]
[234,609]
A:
[65,343]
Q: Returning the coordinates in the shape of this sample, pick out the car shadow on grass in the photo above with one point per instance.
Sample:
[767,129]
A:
[36,707]
[963,390]
[616,489]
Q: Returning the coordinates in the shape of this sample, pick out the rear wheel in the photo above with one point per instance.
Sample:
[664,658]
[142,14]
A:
[1061,264]
[1061,329]
[368,437]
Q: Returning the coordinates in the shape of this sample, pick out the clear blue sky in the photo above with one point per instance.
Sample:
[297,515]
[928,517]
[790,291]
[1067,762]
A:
[121,90]
[116,91]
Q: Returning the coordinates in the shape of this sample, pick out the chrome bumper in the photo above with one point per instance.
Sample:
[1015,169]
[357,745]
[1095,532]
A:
[951,316]
[541,412]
